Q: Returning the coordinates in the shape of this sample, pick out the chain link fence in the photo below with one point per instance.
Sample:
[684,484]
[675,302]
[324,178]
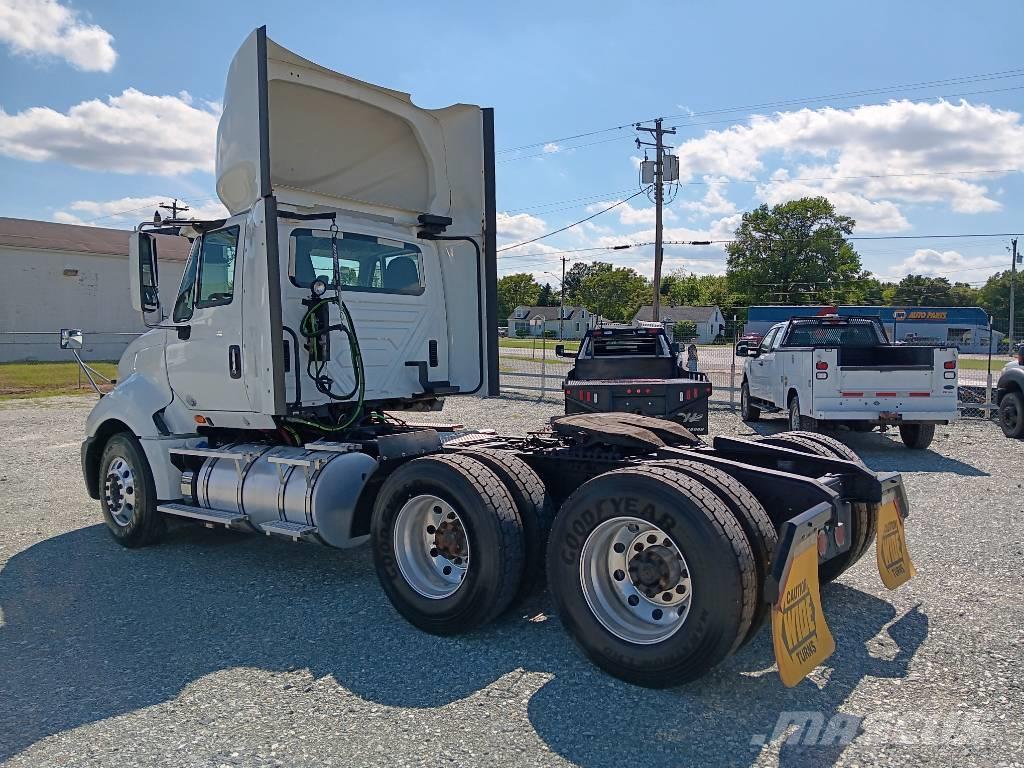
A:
[44,346]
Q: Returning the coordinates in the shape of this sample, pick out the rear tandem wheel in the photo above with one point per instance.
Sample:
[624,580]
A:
[652,575]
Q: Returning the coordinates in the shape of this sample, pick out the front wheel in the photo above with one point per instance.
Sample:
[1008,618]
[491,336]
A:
[748,412]
[128,493]
[1011,414]
[917,436]
[795,421]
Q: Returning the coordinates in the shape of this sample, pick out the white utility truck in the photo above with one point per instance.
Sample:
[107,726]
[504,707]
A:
[844,371]
[355,279]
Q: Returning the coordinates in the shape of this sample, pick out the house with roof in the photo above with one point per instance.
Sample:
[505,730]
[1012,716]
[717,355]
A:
[71,276]
[536,321]
[709,320]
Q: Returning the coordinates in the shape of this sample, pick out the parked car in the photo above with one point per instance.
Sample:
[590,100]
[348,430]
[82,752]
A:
[635,370]
[1010,396]
[845,371]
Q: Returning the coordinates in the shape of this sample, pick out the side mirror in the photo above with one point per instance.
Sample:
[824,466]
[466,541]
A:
[142,272]
[742,349]
[674,348]
[753,351]
[560,350]
[71,338]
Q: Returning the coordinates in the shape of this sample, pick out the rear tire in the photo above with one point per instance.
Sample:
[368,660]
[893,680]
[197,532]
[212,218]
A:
[1011,414]
[752,517]
[748,412]
[677,520]
[413,543]
[533,505]
[863,515]
[128,493]
[917,436]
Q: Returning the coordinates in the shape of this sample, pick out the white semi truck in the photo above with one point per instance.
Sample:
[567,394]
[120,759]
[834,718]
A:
[355,278]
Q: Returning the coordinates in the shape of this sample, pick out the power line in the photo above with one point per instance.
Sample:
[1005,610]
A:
[574,224]
[965,79]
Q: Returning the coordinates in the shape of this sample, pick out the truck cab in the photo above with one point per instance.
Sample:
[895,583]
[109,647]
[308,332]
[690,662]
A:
[845,371]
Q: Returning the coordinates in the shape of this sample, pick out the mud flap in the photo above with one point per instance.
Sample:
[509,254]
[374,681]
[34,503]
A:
[894,563]
[800,636]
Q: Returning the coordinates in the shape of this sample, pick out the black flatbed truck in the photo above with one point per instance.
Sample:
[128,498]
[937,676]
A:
[635,370]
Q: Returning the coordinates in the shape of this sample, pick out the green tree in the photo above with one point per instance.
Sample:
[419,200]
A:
[794,253]
[615,293]
[515,290]
[574,277]
[994,296]
[684,331]
[546,296]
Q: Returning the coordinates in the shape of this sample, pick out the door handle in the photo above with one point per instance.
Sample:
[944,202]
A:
[235,361]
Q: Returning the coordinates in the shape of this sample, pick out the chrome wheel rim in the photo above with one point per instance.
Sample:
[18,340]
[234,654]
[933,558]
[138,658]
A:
[1011,416]
[431,546]
[119,490]
[635,580]
[794,417]
[745,400]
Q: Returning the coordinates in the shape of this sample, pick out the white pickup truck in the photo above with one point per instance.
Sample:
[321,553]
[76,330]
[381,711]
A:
[845,371]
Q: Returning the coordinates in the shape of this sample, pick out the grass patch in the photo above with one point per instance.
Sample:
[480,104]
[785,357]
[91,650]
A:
[974,364]
[21,380]
[570,346]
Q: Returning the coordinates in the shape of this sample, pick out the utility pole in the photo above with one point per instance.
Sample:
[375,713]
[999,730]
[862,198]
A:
[1013,281]
[174,208]
[561,311]
[659,199]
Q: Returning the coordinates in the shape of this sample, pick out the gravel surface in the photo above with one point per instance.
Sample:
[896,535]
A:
[221,649]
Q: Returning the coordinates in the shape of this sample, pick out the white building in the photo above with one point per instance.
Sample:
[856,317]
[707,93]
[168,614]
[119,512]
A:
[536,321]
[709,320]
[55,276]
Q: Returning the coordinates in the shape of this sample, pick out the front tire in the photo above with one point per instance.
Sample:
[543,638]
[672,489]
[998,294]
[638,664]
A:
[917,436]
[652,575]
[128,493]
[447,543]
[795,420]
[1011,414]
[748,412]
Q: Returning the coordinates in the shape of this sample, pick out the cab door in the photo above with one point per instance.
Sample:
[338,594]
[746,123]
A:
[760,372]
[204,354]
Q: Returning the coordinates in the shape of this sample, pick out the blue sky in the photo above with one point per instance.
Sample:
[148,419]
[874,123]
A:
[80,83]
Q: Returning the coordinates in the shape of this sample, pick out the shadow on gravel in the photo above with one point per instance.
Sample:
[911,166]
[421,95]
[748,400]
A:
[886,454]
[92,631]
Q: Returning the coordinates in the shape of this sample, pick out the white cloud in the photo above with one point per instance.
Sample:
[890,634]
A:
[906,146]
[47,28]
[949,264]
[713,203]
[131,210]
[552,147]
[131,133]
[519,226]
[629,215]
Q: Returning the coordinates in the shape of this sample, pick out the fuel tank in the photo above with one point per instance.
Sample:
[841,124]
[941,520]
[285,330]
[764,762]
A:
[317,487]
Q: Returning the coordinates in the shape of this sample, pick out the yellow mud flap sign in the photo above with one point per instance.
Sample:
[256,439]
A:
[799,632]
[894,564]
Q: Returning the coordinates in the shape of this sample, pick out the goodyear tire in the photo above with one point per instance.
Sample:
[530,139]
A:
[749,513]
[447,543]
[863,515]
[684,596]
[533,505]
[128,493]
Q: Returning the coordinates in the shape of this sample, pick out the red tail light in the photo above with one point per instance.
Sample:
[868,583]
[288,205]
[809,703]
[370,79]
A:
[949,365]
[821,365]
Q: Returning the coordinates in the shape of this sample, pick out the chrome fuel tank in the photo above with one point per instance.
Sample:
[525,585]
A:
[316,487]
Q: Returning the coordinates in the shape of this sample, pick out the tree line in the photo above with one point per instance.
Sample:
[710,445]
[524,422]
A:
[796,252]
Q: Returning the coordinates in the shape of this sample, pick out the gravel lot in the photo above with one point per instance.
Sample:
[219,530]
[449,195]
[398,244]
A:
[220,649]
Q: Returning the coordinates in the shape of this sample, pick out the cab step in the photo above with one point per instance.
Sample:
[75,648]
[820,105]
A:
[208,516]
[293,531]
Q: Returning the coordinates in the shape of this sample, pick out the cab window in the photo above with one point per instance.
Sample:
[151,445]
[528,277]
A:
[217,268]
[365,263]
[767,341]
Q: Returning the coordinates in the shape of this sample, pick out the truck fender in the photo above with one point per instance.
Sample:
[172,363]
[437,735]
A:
[133,406]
